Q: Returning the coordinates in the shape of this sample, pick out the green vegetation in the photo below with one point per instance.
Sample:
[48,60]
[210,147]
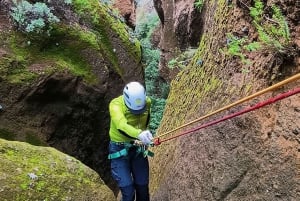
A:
[236,46]
[199,4]
[146,26]
[58,47]
[272,32]
[182,60]
[33,18]
[41,173]
[14,69]
[157,88]
[57,56]
[100,16]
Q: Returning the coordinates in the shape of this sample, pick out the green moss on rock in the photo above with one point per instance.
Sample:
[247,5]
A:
[60,53]
[13,67]
[42,173]
[63,50]
[104,22]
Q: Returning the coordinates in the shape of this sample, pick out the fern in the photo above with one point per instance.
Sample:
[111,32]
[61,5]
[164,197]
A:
[234,45]
[257,11]
[283,26]
[274,32]
[254,46]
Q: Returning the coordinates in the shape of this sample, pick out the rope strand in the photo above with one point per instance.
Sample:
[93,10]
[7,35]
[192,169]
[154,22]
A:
[275,86]
[252,108]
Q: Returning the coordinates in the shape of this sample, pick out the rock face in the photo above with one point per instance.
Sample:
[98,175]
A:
[31,173]
[251,157]
[55,90]
[181,28]
[127,9]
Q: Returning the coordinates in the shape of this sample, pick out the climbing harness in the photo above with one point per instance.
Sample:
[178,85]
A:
[140,148]
[275,86]
[157,141]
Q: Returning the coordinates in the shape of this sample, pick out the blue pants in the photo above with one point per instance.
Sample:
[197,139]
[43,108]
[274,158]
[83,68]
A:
[131,172]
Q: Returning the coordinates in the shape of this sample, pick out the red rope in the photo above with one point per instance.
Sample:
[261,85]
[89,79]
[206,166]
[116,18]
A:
[257,106]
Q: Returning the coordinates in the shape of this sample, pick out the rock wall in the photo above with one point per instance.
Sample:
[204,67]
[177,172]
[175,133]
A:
[55,90]
[31,173]
[181,28]
[127,9]
[251,157]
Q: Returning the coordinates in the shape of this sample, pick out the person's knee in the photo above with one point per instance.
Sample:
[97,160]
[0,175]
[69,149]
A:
[127,193]
[142,192]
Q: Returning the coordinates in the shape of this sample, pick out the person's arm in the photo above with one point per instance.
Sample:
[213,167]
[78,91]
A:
[120,121]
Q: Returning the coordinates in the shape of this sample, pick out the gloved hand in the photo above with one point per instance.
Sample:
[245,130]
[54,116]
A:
[145,137]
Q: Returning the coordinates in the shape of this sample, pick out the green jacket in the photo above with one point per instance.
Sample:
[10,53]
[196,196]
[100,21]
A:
[125,126]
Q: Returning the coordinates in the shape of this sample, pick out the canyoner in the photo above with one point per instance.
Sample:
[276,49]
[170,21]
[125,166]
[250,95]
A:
[130,115]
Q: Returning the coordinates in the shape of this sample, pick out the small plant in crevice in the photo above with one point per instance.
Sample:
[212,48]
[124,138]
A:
[34,18]
[174,63]
[199,4]
[253,46]
[236,46]
[273,34]
[182,60]
[273,31]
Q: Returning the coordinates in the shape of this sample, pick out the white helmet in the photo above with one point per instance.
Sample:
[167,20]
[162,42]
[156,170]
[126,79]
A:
[135,97]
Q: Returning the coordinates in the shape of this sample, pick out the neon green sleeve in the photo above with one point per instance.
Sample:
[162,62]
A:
[119,120]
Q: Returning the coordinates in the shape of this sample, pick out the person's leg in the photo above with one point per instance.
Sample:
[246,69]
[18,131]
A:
[127,193]
[121,173]
[140,172]
[142,192]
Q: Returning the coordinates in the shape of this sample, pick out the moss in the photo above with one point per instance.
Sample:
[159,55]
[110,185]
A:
[41,173]
[59,53]
[75,34]
[194,90]
[104,23]
[14,69]
[100,24]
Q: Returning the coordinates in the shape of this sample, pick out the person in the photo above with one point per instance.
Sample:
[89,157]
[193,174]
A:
[130,115]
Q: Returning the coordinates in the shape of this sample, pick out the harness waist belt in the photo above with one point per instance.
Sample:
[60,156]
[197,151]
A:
[124,152]
[118,154]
